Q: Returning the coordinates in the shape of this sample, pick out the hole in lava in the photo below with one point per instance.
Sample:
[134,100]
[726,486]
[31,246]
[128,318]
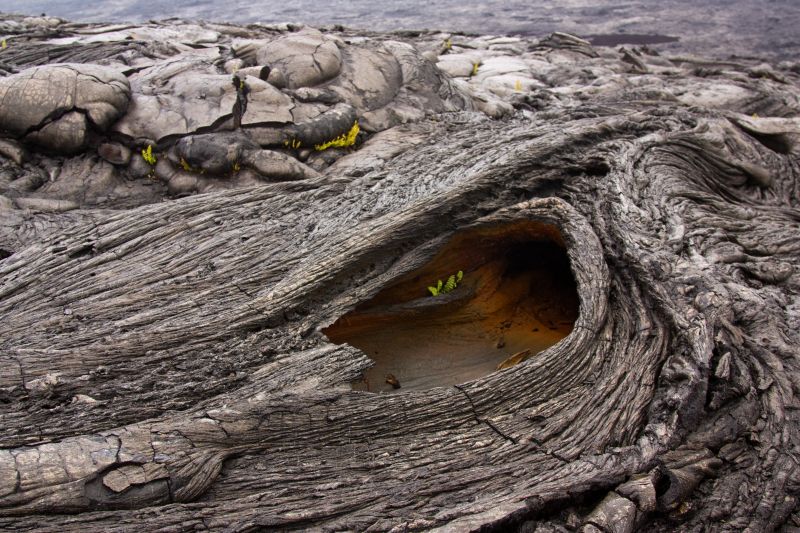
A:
[517,298]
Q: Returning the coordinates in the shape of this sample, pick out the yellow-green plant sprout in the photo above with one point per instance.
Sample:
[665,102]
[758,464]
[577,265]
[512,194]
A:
[292,143]
[189,168]
[236,167]
[437,289]
[3,44]
[475,67]
[448,44]
[447,286]
[342,141]
[147,155]
[452,282]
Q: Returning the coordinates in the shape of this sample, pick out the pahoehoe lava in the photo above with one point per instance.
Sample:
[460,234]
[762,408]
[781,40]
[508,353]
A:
[190,284]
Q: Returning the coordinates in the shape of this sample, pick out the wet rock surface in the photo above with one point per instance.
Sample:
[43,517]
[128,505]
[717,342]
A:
[207,229]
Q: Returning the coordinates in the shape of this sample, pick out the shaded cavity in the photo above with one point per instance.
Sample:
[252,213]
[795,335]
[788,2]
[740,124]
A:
[517,298]
[776,142]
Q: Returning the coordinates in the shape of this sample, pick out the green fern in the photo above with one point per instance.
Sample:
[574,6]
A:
[147,155]
[437,289]
[450,285]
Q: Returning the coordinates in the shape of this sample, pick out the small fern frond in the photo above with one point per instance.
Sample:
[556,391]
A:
[450,285]
[147,155]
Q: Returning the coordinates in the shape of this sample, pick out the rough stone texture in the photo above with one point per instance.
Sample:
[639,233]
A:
[55,106]
[304,59]
[164,366]
[189,95]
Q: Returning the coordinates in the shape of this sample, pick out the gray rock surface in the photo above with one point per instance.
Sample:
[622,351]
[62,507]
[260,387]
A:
[289,90]
[188,95]
[304,59]
[718,29]
[171,291]
[56,106]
